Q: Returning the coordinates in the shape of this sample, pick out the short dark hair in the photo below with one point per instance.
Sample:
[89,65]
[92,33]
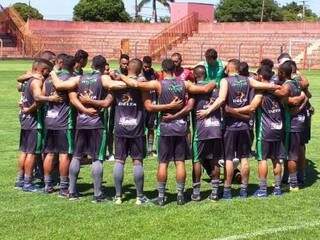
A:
[200,71]
[99,62]
[81,55]
[211,53]
[62,56]
[244,69]
[286,69]
[43,63]
[176,54]
[49,55]
[124,56]
[293,66]
[69,62]
[267,62]
[236,63]
[283,55]
[147,60]
[168,65]
[266,72]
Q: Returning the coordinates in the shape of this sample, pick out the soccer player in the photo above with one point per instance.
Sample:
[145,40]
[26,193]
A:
[172,132]
[90,135]
[59,124]
[214,66]
[150,74]
[269,132]
[31,123]
[236,91]
[183,74]
[207,144]
[81,58]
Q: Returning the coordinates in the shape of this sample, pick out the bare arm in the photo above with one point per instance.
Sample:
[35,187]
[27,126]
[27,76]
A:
[251,108]
[199,89]
[223,91]
[24,77]
[60,85]
[105,103]
[262,85]
[73,96]
[110,84]
[144,86]
[283,92]
[150,107]
[182,113]
[298,100]
[233,113]
[36,87]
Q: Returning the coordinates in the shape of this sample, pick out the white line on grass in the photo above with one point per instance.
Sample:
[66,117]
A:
[270,231]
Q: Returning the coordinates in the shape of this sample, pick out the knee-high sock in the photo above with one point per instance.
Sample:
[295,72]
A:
[118,173]
[74,170]
[138,174]
[97,174]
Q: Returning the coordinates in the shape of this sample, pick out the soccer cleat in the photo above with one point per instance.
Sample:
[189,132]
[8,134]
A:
[227,194]
[111,158]
[261,193]
[48,190]
[142,200]
[277,191]
[63,193]
[180,199]
[160,201]
[214,195]
[30,188]
[243,193]
[98,199]
[73,196]
[117,200]
[294,189]
[195,197]
[19,185]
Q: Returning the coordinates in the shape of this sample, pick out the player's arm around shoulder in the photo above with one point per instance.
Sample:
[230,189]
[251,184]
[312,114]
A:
[61,85]
[110,84]
[262,85]
[175,104]
[199,89]
[37,93]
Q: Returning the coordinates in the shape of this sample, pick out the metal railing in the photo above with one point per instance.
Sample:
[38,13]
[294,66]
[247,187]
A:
[173,34]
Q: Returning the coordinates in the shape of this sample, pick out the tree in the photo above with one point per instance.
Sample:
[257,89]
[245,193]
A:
[27,11]
[247,10]
[294,12]
[100,10]
[154,6]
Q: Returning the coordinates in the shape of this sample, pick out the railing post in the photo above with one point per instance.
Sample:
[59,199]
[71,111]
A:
[260,52]
[305,56]
[1,48]
[201,56]
[239,51]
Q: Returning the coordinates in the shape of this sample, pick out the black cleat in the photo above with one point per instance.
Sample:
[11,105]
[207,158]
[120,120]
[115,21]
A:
[99,199]
[160,201]
[180,200]
[214,196]
[195,197]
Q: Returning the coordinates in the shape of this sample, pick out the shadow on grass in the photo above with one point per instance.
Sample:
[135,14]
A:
[311,173]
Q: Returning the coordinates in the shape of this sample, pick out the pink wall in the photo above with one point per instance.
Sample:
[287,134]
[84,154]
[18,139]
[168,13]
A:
[267,27]
[52,25]
[180,10]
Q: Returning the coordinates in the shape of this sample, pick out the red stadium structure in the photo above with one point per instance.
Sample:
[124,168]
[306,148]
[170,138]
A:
[189,34]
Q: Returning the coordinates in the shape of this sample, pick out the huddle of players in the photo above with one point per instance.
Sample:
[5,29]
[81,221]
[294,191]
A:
[67,111]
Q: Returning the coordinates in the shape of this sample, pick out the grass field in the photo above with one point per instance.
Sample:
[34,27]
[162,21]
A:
[38,216]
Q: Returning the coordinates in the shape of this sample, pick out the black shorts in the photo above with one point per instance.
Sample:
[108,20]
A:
[31,141]
[307,132]
[173,148]
[90,142]
[59,141]
[151,120]
[237,144]
[133,147]
[270,150]
[295,142]
[211,149]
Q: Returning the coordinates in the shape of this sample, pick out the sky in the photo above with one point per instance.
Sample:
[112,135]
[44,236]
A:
[63,9]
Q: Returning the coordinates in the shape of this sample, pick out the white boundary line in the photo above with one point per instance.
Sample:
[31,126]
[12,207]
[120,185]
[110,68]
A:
[269,231]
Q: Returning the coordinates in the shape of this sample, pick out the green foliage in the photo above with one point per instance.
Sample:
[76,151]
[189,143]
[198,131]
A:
[100,10]
[27,11]
[294,12]
[247,10]
[154,7]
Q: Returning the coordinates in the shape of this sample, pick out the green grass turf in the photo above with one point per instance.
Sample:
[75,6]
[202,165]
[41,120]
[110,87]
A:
[38,216]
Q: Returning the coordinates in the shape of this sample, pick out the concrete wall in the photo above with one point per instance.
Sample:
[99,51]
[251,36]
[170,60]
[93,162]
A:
[180,10]
[267,27]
